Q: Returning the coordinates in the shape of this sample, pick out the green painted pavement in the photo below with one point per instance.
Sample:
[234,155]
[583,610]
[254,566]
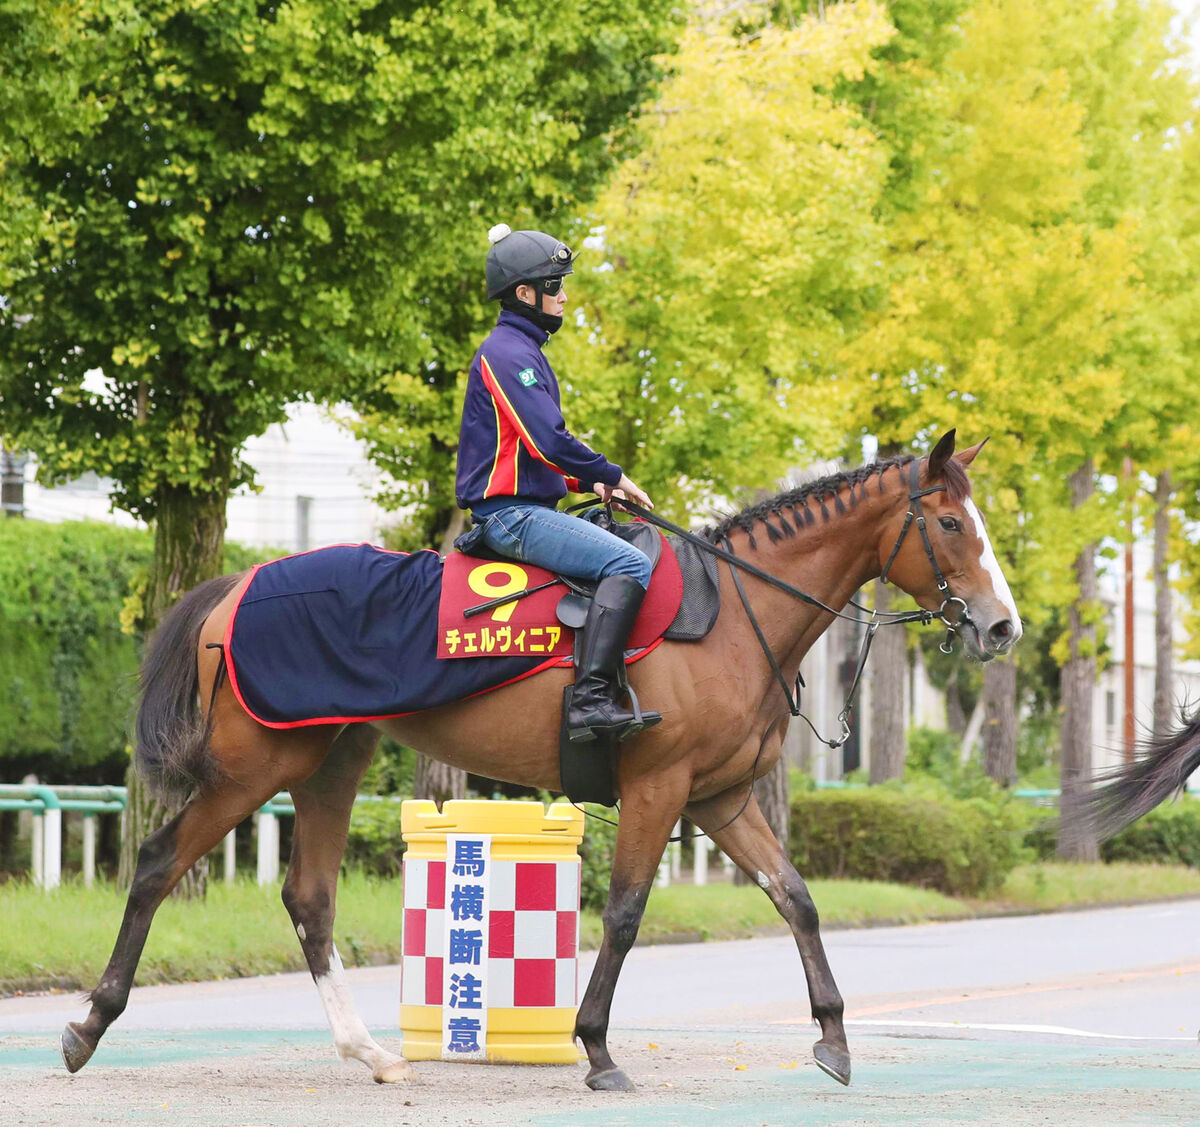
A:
[686,1078]
[935,1082]
[149,1050]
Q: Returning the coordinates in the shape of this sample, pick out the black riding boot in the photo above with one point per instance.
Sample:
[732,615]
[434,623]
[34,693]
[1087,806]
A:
[594,710]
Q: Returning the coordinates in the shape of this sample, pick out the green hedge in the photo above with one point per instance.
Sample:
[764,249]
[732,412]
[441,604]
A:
[67,670]
[1168,835]
[963,847]
[374,844]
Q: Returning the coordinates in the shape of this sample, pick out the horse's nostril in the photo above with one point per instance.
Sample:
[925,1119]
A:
[1001,631]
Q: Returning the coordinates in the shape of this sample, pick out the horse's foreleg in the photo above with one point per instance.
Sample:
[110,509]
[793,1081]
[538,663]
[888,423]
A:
[323,806]
[163,860]
[753,847]
[641,840]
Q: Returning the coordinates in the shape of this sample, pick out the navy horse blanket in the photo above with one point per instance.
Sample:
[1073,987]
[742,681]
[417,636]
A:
[350,633]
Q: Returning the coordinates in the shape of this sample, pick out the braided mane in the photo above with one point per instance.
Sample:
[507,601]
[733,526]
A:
[797,501]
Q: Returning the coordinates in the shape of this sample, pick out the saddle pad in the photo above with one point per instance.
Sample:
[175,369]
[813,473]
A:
[530,626]
[701,592]
[349,633]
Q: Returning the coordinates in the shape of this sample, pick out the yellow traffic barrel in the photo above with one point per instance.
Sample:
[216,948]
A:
[491,931]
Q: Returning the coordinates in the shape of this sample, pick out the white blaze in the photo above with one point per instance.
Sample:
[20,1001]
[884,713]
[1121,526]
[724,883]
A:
[989,563]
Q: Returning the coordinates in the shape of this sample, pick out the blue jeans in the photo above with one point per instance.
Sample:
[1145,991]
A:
[561,543]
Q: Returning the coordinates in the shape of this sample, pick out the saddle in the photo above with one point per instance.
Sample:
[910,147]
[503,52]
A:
[587,772]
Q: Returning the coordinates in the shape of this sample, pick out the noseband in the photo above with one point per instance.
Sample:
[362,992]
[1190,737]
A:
[962,616]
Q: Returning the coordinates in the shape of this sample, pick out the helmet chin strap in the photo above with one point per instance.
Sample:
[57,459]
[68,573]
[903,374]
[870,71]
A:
[547,322]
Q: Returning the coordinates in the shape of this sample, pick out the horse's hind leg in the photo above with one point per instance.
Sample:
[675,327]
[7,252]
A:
[645,829]
[164,858]
[748,839]
[323,805]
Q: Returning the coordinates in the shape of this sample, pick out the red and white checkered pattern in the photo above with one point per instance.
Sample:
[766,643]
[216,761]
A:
[532,934]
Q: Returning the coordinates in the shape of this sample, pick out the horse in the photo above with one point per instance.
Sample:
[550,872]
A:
[724,721]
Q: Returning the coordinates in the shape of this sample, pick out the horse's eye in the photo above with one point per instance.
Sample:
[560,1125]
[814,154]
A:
[950,524]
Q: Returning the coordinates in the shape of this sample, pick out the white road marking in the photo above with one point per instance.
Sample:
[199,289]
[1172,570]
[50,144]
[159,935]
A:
[1060,1030]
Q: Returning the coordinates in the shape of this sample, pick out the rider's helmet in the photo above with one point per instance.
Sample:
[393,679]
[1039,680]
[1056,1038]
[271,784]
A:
[529,257]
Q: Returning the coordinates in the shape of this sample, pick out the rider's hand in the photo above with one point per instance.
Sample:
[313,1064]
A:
[624,488]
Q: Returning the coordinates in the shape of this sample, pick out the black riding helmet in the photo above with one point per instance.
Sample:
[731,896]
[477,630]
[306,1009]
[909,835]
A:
[524,256]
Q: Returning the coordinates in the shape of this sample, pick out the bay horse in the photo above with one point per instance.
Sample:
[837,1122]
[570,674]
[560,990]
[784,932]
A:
[724,720]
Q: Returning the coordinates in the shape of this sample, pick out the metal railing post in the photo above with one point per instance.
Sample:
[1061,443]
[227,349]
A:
[268,847]
[700,861]
[48,874]
[36,841]
[89,850]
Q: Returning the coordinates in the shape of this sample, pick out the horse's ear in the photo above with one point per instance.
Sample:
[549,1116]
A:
[966,457]
[940,455]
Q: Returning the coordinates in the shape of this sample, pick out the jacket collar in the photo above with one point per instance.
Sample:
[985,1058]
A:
[516,321]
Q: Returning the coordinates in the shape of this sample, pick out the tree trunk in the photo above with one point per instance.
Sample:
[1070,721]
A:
[1164,651]
[12,483]
[771,791]
[956,718]
[8,840]
[189,546]
[438,781]
[1076,839]
[1000,721]
[889,658]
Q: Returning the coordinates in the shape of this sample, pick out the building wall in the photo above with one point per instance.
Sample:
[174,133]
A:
[1108,709]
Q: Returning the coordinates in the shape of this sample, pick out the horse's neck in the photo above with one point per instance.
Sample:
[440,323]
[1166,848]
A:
[829,561]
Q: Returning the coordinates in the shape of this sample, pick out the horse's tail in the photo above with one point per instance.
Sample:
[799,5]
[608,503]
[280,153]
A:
[173,725]
[1161,770]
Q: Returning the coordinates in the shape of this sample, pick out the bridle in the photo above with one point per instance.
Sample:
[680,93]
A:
[873,622]
[953,612]
[915,512]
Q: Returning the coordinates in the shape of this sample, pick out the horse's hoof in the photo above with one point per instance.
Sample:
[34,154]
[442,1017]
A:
[398,1072]
[76,1051]
[835,1062]
[610,1080]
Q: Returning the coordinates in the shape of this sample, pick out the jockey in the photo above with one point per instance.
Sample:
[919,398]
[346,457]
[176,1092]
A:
[516,461]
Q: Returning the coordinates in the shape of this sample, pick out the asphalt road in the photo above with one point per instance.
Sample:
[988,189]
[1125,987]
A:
[1085,1017]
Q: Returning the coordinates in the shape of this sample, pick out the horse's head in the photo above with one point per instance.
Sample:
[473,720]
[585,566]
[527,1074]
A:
[950,566]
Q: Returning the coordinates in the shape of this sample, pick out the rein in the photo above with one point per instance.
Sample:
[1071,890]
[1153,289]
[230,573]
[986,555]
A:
[915,514]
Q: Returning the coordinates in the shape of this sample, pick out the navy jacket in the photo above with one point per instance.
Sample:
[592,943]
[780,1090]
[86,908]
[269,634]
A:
[513,446]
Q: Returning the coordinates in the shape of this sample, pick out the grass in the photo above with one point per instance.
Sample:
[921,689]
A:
[1048,885]
[63,938]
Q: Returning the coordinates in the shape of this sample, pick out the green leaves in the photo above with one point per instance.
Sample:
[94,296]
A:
[732,254]
[225,208]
